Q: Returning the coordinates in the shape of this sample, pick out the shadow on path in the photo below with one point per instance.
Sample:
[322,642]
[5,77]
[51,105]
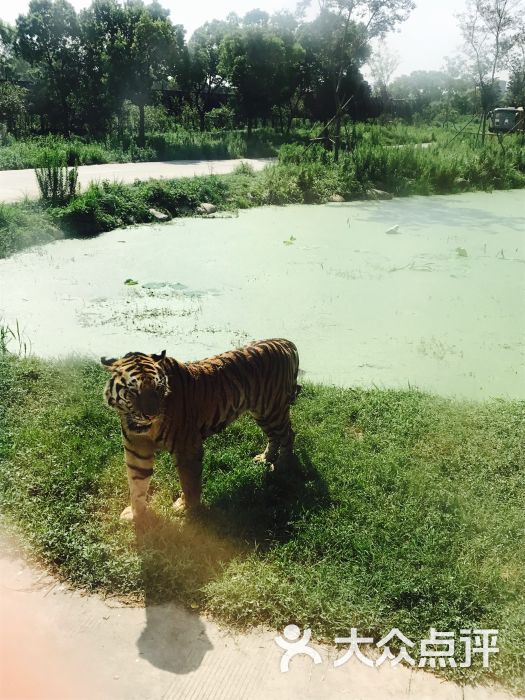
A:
[173,639]
[179,556]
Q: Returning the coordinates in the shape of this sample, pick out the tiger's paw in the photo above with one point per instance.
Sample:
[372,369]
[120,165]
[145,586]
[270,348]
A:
[141,518]
[263,459]
[179,506]
[127,515]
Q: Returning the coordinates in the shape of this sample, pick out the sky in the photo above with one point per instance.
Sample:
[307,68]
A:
[421,43]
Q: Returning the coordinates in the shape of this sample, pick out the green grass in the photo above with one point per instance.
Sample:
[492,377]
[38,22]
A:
[179,144]
[34,152]
[24,225]
[403,510]
[406,170]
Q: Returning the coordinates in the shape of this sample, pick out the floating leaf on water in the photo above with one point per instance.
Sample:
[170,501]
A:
[130,282]
[462,253]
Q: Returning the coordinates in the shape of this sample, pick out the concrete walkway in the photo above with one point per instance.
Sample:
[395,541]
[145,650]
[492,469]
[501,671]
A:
[62,645]
[15,185]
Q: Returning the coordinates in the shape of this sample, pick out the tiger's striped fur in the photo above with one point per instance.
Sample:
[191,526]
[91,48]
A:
[168,405]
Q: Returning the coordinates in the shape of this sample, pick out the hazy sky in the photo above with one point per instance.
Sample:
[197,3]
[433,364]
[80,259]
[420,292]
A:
[421,43]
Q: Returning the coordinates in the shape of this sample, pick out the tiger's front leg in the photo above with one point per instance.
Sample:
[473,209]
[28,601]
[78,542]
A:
[189,467]
[139,464]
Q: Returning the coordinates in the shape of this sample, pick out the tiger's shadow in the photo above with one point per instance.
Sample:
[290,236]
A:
[179,556]
[265,512]
[247,515]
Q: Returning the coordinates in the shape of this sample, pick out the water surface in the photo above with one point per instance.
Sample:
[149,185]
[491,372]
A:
[425,291]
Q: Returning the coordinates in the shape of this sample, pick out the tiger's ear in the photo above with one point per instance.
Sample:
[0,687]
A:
[108,364]
[159,358]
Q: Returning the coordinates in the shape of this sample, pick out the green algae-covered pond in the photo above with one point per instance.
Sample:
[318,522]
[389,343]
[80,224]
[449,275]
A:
[425,291]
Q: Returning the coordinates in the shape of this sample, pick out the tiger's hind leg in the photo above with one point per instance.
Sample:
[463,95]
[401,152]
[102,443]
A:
[271,453]
[278,428]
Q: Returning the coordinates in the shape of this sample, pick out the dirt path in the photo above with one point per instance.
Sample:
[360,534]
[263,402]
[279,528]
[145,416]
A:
[60,644]
[15,185]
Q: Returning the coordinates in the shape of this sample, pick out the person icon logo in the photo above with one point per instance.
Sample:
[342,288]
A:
[294,644]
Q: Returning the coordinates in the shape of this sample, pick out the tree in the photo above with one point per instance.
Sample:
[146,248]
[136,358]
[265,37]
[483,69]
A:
[488,29]
[12,106]
[516,65]
[383,64]
[291,78]
[201,77]
[47,37]
[332,68]
[346,27]
[127,50]
[7,37]
[152,49]
[102,92]
[250,60]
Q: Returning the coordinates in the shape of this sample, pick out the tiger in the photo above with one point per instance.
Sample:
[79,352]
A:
[164,404]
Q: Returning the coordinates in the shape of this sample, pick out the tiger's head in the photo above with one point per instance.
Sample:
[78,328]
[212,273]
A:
[137,387]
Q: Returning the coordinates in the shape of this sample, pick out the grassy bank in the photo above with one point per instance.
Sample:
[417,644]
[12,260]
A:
[174,145]
[404,510]
[302,175]
[182,144]
[25,225]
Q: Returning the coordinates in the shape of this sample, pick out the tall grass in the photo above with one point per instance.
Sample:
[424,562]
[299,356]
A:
[12,340]
[409,169]
[58,184]
[32,153]
[24,225]
[179,144]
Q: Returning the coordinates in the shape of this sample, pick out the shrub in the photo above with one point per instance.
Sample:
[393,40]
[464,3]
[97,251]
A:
[102,207]
[279,185]
[57,183]
[24,225]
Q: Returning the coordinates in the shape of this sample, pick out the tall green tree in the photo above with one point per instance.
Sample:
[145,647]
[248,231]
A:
[291,80]
[153,50]
[516,66]
[341,35]
[200,76]
[130,49]
[13,107]
[250,60]
[264,62]
[7,39]
[48,38]
[102,92]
